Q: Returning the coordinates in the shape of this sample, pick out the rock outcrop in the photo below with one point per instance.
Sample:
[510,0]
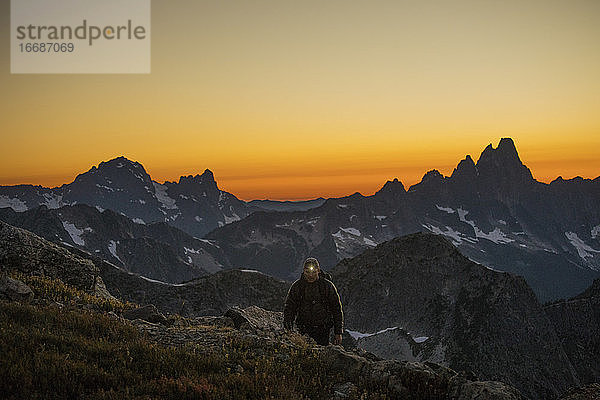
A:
[26,252]
[474,319]
[577,324]
[405,380]
[14,290]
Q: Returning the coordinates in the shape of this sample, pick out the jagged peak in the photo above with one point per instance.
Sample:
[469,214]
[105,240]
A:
[574,180]
[207,177]
[120,162]
[119,165]
[356,195]
[395,187]
[507,144]
[504,163]
[433,174]
[465,167]
[506,151]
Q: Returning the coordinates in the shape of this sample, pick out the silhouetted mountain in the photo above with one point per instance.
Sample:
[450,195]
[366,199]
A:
[195,204]
[273,205]
[492,210]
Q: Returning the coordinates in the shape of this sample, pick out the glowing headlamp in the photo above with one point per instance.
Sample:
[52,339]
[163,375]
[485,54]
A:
[310,268]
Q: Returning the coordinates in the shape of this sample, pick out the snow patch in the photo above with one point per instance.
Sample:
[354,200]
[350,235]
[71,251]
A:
[357,335]
[163,197]
[342,205]
[313,221]
[461,215]
[595,231]
[194,251]
[139,221]
[582,248]
[421,339]
[75,232]
[198,218]
[105,187]
[445,209]
[112,247]
[496,236]
[173,217]
[211,242]
[369,242]
[14,203]
[253,271]
[451,233]
[502,222]
[231,219]
[381,217]
[159,282]
[52,201]
[99,208]
[352,231]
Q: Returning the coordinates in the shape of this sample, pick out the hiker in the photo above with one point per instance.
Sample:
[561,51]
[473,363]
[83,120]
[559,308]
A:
[314,304]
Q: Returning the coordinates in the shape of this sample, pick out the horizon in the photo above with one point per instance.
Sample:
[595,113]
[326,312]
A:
[445,172]
[292,101]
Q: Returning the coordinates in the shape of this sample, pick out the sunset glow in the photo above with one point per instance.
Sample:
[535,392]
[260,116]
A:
[296,100]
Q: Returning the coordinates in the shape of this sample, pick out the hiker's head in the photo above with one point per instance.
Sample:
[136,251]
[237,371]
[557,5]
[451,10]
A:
[311,269]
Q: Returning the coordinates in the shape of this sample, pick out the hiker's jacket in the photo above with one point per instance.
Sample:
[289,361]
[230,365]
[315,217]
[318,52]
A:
[315,304]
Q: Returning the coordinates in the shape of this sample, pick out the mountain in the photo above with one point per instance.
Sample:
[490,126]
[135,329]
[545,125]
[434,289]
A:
[466,316]
[493,210]
[194,204]
[272,205]
[157,251]
[22,251]
[25,252]
[463,316]
[577,323]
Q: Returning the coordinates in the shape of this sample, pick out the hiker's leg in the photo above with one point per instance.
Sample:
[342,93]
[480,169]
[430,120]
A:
[321,336]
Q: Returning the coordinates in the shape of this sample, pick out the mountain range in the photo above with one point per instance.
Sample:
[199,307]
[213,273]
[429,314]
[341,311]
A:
[433,308]
[492,210]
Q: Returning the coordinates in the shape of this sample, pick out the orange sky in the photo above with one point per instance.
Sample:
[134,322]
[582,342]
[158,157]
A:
[293,100]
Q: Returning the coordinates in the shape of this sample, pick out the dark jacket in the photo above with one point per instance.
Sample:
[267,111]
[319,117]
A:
[313,304]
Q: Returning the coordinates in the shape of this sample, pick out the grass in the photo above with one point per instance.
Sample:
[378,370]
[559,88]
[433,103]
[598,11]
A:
[49,353]
[55,290]
[74,352]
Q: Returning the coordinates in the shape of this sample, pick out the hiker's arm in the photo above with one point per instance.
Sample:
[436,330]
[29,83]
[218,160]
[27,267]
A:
[291,307]
[335,305]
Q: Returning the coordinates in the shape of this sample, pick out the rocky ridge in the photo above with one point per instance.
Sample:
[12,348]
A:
[466,316]
[157,251]
[194,204]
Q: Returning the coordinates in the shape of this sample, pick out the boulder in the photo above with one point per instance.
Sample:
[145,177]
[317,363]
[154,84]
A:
[254,317]
[147,313]
[14,290]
